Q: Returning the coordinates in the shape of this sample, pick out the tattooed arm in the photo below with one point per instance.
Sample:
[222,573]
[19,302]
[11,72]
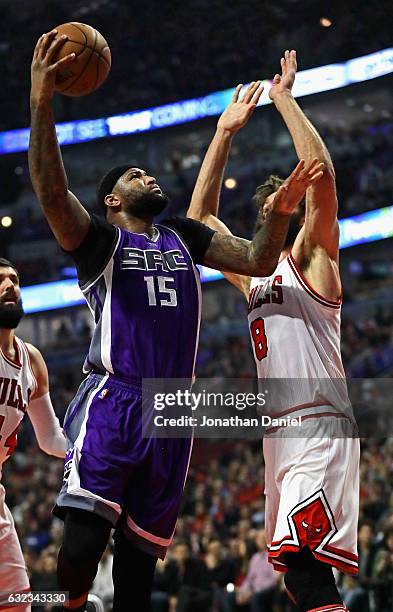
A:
[256,258]
[260,257]
[68,219]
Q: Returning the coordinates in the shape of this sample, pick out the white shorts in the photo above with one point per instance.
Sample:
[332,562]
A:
[13,574]
[312,495]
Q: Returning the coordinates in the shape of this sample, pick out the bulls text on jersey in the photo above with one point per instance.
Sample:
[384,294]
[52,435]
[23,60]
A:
[11,394]
[268,293]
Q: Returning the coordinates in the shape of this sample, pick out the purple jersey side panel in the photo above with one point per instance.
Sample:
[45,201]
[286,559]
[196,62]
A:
[147,308]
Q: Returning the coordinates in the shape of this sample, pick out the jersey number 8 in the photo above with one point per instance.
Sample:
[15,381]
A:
[258,335]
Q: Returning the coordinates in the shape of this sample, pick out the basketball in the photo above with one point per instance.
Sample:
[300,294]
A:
[91,65]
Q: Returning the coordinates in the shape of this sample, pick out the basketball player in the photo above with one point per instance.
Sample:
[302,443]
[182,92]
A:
[23,388]
[142,287]
[311,481]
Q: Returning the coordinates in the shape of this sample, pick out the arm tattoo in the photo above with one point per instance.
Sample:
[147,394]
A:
[45,162]
[67,218]
[256,258]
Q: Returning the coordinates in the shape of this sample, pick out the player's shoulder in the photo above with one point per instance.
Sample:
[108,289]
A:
[173,222]
[38,365]
[99,222]
[33,352]
[180,223]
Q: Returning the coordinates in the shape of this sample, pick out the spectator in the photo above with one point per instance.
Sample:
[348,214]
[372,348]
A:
[260,585]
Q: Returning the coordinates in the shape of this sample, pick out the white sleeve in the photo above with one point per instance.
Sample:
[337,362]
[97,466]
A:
[49,434]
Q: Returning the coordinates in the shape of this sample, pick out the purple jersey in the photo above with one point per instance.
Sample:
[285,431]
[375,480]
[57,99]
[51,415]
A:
[145,299]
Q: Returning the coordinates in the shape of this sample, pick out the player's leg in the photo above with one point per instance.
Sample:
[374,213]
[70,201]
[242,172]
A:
[133,573]
[311,583]
[84,541]
[152,506]
[316,525]
[95,474]
[13,574]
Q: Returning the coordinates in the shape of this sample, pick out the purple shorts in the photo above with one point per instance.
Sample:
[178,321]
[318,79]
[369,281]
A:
[113,471]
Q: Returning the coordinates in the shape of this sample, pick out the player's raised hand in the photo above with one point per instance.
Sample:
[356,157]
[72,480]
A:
[284,82]
[44,65]
[236,115]
[292,191]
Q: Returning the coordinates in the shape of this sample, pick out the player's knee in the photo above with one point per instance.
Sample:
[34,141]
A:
[85,537]
[310,582]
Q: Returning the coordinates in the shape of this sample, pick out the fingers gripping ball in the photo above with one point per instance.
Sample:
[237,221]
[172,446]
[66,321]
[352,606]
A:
[92,60]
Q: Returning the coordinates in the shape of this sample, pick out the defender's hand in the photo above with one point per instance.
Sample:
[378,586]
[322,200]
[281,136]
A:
[284,83]
[236,115]
[44,67]
[292,191]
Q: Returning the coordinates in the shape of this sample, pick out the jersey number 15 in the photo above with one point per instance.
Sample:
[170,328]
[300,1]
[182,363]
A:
[157,295]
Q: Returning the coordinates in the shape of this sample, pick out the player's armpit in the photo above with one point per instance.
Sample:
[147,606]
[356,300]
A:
[40,370]
[315,266]
[240,282]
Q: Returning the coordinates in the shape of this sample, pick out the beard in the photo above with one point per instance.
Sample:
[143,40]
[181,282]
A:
[10,315]
[148,205]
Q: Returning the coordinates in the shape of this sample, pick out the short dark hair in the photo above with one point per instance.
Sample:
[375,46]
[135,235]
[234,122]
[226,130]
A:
[107,184]
[5,263]
[271,185]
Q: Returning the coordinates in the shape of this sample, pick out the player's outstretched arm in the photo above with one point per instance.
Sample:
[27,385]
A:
[260,257]
[318,242]
[66,216]
[206,195]
[50,436]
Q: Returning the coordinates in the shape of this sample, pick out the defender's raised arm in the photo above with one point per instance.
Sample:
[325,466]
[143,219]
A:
[66,216]
[316,248]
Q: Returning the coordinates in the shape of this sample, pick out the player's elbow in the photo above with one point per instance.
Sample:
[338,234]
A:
[328,169]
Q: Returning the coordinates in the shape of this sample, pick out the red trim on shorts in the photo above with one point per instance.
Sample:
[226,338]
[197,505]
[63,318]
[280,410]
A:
[339,564]
[331,607]
[310,416]
[342,553]
[278,568]
[307,287]
[301,407]
[283,548]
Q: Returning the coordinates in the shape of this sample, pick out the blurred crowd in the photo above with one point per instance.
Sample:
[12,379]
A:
[219,43]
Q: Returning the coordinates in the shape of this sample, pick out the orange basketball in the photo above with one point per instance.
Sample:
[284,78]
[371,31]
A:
[92,62]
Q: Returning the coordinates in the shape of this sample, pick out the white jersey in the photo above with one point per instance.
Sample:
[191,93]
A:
[17,385]
[311,473]
[295,334]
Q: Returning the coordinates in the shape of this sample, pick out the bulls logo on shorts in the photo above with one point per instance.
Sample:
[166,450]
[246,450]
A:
[312,523]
